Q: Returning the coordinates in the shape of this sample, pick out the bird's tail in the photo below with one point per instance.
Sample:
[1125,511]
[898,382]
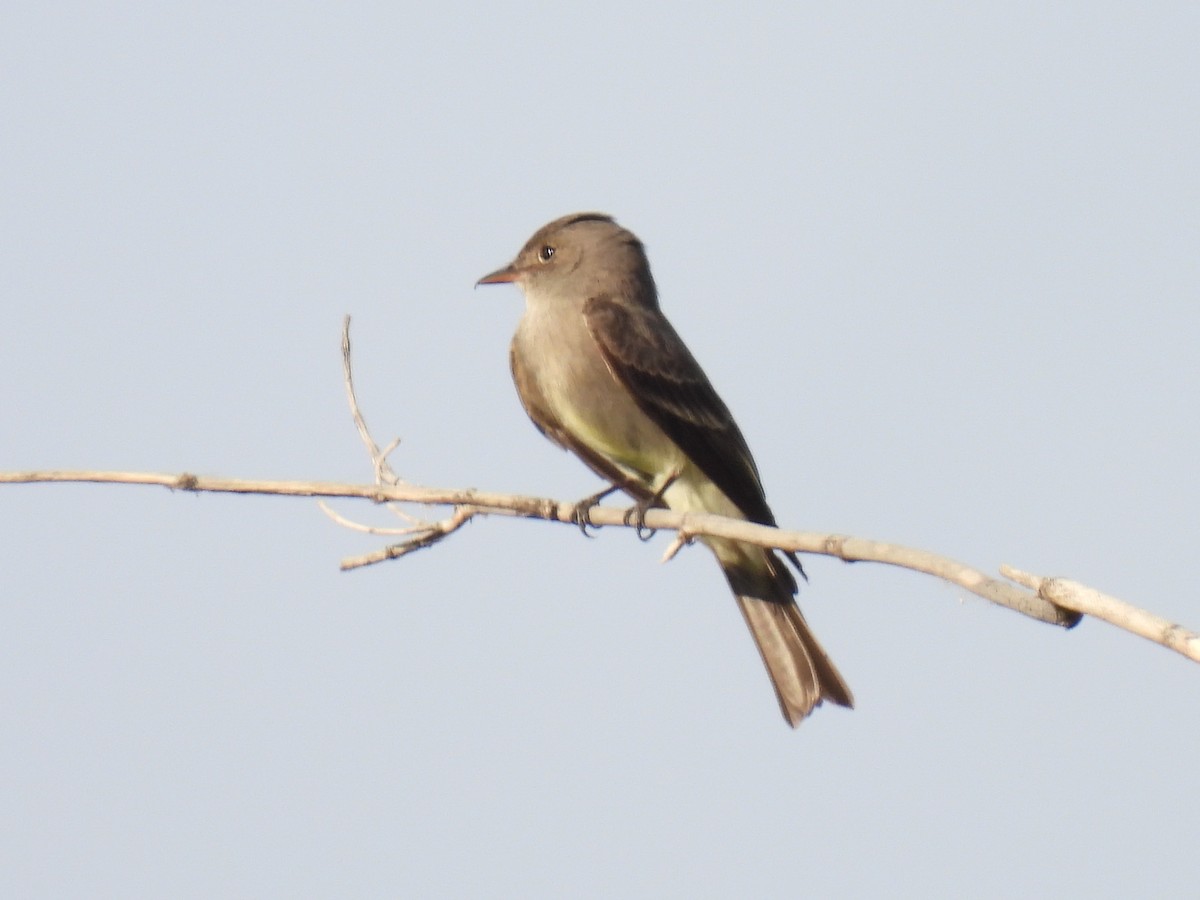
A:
[802,674]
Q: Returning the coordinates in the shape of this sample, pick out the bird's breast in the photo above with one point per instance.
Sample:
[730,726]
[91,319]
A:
[566,371]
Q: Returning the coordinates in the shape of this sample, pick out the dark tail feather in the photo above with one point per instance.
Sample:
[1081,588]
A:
[803,676]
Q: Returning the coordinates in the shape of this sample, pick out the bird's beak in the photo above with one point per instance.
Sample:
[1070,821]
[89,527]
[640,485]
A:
[506,275]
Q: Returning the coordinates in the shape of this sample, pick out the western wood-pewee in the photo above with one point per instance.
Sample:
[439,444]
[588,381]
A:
[603,374]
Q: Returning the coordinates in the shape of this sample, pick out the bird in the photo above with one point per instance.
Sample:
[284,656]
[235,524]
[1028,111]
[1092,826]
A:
[603,374]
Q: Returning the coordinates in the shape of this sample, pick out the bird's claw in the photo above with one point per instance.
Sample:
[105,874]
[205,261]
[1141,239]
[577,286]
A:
[636,516]
[582,513]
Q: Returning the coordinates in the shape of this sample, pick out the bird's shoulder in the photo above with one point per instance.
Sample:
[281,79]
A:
[645,351]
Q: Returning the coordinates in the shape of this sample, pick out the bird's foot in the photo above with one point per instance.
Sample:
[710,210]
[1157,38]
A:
[636,514]
[582,513]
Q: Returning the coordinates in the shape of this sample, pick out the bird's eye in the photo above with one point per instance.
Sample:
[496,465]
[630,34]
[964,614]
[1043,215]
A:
[545,253]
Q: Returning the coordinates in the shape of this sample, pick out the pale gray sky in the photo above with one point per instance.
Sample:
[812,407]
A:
[941,261]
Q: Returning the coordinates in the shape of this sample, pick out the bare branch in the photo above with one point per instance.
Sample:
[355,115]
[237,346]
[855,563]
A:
[1056,601]
[1088,601]
[1047,600]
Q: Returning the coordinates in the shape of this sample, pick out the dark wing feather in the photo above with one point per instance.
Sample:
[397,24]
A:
[650,359]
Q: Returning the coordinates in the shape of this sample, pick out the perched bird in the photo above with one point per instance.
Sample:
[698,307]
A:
[602,373]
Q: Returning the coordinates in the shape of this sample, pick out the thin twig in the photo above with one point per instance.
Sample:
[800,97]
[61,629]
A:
[384,474]
[682,539]
[368,529]
[383,470]
[426,537]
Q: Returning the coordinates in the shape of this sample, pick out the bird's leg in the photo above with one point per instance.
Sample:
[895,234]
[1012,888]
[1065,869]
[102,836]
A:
[582,513]
[636,514]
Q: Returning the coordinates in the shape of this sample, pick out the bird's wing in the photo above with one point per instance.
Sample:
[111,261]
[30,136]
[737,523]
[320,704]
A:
[646,355]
